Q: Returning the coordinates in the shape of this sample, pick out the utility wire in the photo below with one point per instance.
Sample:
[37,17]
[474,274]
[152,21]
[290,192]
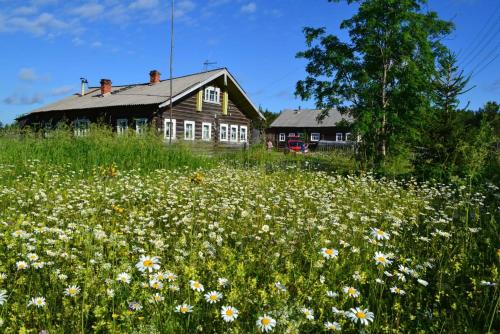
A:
[478,52]
[478,40]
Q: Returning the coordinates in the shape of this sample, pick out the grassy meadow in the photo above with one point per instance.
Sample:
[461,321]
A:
[124,235]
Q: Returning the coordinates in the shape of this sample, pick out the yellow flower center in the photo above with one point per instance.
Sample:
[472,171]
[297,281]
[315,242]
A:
[329,251]
[184,309]
[380,232]
[351,291]
[147,263]
[196,285]
[72,291]
[229,313]
[381,259]
[213,297]
[265,321]
[360,315]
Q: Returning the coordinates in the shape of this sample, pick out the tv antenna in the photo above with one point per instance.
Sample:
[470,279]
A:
[208,63]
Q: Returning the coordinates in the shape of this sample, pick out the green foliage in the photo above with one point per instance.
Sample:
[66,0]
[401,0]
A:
[382,76]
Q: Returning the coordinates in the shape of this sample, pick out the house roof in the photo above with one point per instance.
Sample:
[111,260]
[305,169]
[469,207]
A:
[307,118]
[147,94]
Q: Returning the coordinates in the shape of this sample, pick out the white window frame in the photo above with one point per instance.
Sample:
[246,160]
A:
[315,136]
[347,135]
[212,95]
[337,135]
[227,132]
[121,126]
[82,126]
[138,128]
[282,137]
[244,138]
[203,125]
[234,130]
[169,121]
[186,123]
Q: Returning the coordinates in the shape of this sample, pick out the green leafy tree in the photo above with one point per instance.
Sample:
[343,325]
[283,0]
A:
[382,76]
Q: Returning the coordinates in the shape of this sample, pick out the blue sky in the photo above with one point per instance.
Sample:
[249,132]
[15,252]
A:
[47,45]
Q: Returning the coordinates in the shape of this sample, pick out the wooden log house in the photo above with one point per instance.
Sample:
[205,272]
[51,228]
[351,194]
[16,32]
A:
[208,106]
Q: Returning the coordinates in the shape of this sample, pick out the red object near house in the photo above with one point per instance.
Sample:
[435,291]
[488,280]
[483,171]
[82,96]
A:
[296,145]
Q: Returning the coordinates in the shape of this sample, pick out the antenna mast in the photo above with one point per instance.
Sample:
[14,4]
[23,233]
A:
[208,63]
[171,124]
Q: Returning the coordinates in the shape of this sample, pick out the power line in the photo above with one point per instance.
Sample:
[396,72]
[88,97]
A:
[477,41]
[485,66]
[479,51]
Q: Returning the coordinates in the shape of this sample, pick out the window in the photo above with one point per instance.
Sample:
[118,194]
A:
[140,125]
[234,133]
[223,132]
[189,130]
[338,136]
[243,134]
[121,125]
[206,131]
[282,137]
[81,127]
[348,137]
[169,128]
[212,94]
[315,136]
[291,134]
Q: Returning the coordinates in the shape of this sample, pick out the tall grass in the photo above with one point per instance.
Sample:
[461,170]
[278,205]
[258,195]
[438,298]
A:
[100,147]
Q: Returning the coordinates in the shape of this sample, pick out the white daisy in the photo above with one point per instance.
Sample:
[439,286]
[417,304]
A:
[37,301]
[223,282]
[22,265]
[3,297]
[156,298]
[184,308]
[155,284]
[308,313]
[331,294]
[332,326]
[359,315]
[229,313]
[329,253]
[397,290]
[148,263]
[422,282]
[351,292]
[72,290]
[379,234]
[171,277]
[196,286]
[266,323]
[123,277]
[213,297]
[381,258]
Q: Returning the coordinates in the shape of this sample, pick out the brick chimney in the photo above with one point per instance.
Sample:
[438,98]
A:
[106,86]
[154,77]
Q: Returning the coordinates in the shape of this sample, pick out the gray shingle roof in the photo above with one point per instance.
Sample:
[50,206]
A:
[307,118]
[138,94]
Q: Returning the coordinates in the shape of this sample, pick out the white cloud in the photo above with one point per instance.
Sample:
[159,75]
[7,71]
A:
[16,99]
[27,74]
[249,8]
[91,10]
[38,26]
[25,10]
[96,44]
[183,7]
[62,90]
[144,4]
